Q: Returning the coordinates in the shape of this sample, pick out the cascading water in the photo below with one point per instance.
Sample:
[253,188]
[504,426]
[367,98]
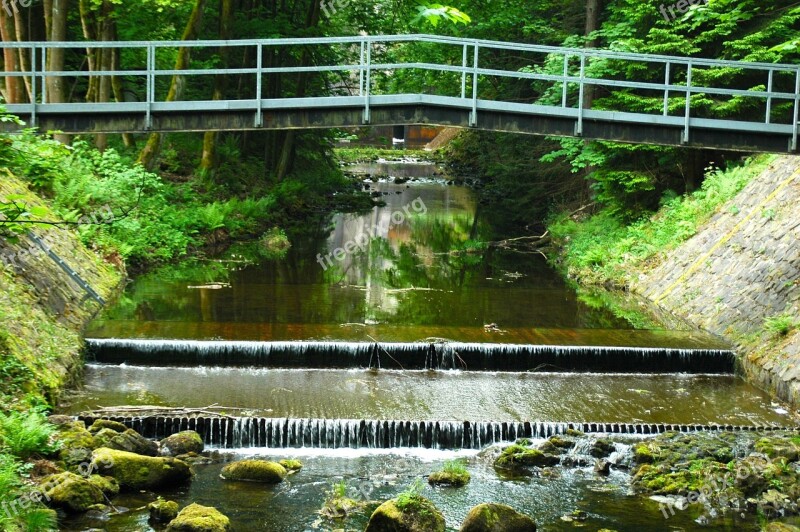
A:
[411,355]
[278,433]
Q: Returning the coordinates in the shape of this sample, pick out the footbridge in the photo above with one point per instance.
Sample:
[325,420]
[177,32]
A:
[364,80]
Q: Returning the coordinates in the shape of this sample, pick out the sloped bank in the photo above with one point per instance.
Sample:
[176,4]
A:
[724,258]
[739,277]
[44,303]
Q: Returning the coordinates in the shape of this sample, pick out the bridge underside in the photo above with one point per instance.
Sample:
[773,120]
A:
[333,112]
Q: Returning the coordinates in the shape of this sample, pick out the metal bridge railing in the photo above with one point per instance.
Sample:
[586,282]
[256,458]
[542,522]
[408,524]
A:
[686,87]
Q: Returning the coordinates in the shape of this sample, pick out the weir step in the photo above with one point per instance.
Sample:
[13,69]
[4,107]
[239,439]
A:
[411,356]
[260,432]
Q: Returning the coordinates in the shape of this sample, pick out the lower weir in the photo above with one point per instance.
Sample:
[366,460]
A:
[278,433]
[414,355]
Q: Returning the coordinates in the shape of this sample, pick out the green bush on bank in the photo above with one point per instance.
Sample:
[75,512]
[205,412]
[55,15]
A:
[602,249]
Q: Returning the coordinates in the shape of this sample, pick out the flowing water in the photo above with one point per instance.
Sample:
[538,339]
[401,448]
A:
[402,314]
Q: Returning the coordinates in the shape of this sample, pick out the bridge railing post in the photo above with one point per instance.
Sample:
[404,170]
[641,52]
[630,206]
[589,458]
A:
[44,72]
[464,60]
[33,86]
[150,86]
[565,83]
[361,68]
[368,82]
[581,92]
[259,121]
[667,77]
[685,136]
[796,122]
[769,97]
[473,118]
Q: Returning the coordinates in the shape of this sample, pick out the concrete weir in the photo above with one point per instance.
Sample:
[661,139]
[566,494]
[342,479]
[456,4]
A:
[415,355]
[258,432]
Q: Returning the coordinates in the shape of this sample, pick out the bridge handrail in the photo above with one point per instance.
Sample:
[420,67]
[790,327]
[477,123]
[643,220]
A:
[434,39]
[470,69]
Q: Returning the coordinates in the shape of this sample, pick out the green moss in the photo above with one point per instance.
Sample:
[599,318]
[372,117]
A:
[454,473]
[643,454]
[196,518]
[254,471]
[162,511]
[108,485]
[100,424]
[135,471]
[291,465]
[515,456]
[409,512]
[184,442]
[71,492]
[497,518]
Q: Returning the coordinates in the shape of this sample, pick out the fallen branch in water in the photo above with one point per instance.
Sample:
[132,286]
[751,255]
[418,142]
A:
[150,411]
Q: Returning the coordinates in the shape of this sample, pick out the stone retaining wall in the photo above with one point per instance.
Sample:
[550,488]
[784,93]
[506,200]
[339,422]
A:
[741,268]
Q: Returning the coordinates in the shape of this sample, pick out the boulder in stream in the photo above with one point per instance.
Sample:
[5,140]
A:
[407,513]
[184,442]
[492,517]
[519,456]
[197,518]
[135,471]
[162,511]
[254,471]
[70,492]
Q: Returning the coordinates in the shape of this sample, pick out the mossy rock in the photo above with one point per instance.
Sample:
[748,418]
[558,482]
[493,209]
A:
[781,527]
[516,456]
[412,513]
[574,433]
[602,448]
[643,454]
[103,437]
[135,471]
[291,466]
[100,424]
[196,518]
[77,443]
[448,478]
[254,471]
[491,517]
[132,442]
[184,442]
[556,444]
[341,507]
[108,485]
[778,447]
[70,492]
[162,511]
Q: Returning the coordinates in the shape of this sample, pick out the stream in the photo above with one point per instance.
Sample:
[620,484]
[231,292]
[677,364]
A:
[403,313]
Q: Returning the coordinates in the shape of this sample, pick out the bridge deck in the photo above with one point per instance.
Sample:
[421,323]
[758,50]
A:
[669,103]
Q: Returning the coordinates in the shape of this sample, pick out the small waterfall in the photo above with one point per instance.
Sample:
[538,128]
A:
[440,355]
[243,432]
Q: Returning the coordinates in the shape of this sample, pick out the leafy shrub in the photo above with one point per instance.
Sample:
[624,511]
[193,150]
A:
[780,325]
[24,434]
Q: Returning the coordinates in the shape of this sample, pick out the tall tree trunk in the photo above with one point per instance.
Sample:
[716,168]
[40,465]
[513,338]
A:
[24,58]
[13,91]
[209,159]
[107,33]
[149,153]
[55,13]
[593,8]
[287,151]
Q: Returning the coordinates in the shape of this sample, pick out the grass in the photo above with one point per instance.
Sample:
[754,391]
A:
[453,473]
[602,250]
[780,325]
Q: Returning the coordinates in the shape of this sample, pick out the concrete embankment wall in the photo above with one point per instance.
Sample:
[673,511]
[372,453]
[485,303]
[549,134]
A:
[43,310]
[741,268]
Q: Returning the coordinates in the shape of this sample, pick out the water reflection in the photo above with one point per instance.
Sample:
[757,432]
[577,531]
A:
[419,261]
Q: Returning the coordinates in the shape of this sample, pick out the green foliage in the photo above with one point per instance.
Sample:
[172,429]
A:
[24,434]
[435,13]
[604,249]
[780,325]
